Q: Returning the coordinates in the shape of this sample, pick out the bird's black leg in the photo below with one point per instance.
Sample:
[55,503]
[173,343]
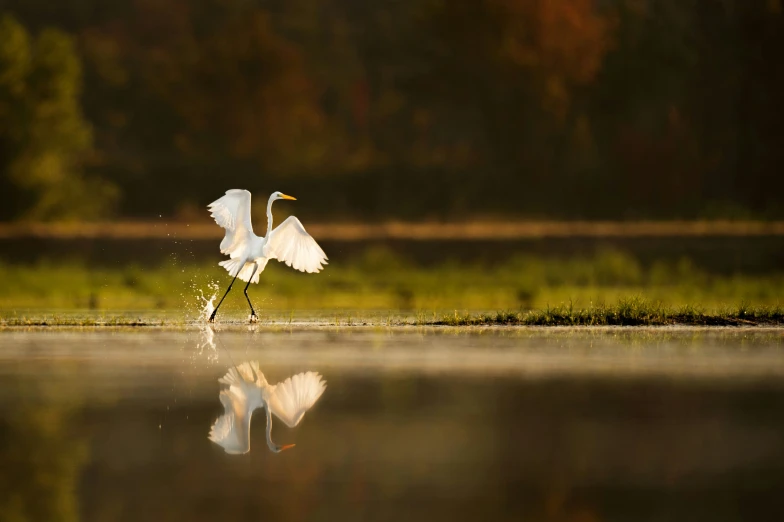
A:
[253,318]
[212,317]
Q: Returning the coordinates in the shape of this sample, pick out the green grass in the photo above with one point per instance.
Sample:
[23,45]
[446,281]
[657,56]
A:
[384,284]
[627,312]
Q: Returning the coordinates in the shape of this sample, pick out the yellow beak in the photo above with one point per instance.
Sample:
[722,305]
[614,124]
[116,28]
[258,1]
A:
[284,196]
[287,446]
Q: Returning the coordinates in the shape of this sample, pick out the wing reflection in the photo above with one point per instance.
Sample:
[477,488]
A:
[247,390]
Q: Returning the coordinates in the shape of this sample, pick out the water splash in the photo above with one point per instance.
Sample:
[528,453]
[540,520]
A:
[207,305]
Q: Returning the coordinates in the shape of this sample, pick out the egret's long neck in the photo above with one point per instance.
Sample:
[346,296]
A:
[269,216]
[271,445]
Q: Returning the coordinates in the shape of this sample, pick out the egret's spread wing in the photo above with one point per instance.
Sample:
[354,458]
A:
[232,212]
[290,399]
[291,244]
[231,430]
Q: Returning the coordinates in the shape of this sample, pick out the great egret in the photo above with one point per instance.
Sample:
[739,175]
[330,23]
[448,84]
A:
[249,390]
[249,253]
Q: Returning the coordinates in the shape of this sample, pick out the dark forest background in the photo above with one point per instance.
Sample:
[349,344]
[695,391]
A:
[410,109]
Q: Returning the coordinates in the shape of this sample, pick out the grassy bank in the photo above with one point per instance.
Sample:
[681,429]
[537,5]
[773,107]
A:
[382,282]
[204,228]
[626,312]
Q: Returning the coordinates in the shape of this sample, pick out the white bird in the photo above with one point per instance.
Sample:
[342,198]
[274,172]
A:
[248,253]
[248,390]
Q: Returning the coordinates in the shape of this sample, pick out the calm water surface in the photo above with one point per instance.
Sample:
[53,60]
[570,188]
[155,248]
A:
[419,424]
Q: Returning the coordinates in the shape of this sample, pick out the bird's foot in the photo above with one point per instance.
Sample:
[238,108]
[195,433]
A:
[212,317]
[253,317]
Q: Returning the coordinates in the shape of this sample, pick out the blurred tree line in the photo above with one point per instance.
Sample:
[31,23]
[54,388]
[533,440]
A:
[393,108]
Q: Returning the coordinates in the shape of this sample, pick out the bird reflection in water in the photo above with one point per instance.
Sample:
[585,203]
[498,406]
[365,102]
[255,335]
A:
[248,390]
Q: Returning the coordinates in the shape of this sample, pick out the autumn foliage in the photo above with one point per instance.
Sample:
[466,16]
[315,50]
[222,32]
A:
[406,109]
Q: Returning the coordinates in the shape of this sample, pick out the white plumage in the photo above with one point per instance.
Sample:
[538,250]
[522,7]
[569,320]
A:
[291,244]
[248,253]
[247,391]
[232,212]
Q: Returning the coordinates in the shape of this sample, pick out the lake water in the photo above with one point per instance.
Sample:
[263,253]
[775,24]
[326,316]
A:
[415,424]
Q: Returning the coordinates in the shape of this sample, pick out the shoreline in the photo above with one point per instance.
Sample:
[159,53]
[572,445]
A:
[416,230]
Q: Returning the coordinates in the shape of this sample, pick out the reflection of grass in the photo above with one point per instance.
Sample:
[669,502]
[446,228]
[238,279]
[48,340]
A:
[43,446]
[380,281]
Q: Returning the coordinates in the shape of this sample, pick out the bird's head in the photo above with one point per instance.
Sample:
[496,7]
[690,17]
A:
[277,449]
[280,195]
